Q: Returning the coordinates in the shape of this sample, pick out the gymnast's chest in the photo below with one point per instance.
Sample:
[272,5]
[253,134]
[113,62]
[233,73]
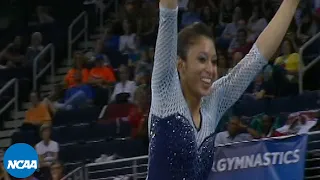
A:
[177,134]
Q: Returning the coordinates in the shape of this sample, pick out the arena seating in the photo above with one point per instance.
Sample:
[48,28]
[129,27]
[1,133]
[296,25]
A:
[306,101]
[83,136]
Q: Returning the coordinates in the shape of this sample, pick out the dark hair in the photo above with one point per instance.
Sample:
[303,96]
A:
[79,61]
[305,26]
[260,12]
[189,35]
[242,30]
[290,44]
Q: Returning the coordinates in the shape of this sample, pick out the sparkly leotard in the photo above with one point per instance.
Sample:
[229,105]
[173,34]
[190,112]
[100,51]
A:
[177,149]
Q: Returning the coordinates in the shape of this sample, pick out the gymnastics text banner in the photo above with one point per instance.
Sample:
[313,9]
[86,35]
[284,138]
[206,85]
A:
[276,159]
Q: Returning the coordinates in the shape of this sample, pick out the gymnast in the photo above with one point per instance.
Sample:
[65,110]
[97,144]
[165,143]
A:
[187,99]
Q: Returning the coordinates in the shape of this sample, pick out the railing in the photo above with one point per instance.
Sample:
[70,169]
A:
[84,31]
[102,8]
[313,172]
[36,75]
[137,166]
[302,67]
[76,174]
[14,100]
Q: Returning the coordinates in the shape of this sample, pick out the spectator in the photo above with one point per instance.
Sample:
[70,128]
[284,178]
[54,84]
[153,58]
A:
[111,41]
[129,12]
[78,65]
[98,53]
[303,7]
[231,30]
[316,8]
[260,88]
[209,17]
[101,75]
[56,171]
[239,43]
[289,61]
[190,16]
[38,114]
[226,12]
[3,173]
[183,5]
[265,125]
[55,98]
[124,87]
[307,29]
[127,44]
[139,112]
[236,132]
[101,78]
[223,64]
[34,49]
[256,24]
[144,65]
[78,96]
[147,24]
[13,55]
[43,15]
[47,149]
[286,69]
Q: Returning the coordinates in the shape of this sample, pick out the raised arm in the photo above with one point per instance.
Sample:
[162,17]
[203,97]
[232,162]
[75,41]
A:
[271,38]
[164,71]
[227,90]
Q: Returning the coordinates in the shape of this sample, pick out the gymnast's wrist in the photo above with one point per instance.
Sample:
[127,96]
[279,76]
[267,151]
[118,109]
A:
[168,4]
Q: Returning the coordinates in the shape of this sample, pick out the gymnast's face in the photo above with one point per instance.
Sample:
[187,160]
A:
[199,70]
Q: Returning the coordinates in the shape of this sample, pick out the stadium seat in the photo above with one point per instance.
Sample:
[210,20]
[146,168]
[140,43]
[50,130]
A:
[87,115]
[28,137]
[125,129]
[115,111]
[103,131]
[71,153]
[68,134]
[284,104]
[250,107]
[309,100]
[312,145]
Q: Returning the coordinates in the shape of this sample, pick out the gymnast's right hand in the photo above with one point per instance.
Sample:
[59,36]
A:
[171,4]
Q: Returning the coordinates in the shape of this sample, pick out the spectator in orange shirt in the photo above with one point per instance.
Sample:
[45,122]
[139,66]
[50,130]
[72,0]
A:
[77,66]
[101,75]
[39,113]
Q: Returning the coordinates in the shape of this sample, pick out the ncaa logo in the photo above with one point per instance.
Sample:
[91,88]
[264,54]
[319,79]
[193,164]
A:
[20,160]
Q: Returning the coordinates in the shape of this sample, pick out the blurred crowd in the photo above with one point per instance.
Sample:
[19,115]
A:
[116,73]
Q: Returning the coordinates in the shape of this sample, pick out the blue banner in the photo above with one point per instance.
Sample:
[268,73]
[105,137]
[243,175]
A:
[273,159]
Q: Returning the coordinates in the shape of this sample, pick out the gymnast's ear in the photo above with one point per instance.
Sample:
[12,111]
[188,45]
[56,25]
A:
[180,65]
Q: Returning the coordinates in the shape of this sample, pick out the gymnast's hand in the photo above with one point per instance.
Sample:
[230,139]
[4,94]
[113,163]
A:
[171,4]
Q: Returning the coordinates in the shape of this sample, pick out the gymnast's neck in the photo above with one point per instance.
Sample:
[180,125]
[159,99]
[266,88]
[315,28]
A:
[193,101]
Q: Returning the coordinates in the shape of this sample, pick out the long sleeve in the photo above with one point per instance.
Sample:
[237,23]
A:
[166,96]
[228,89]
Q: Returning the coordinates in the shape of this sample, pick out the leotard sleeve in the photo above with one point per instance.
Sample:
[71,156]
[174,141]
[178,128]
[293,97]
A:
[228,89]
[167,98]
